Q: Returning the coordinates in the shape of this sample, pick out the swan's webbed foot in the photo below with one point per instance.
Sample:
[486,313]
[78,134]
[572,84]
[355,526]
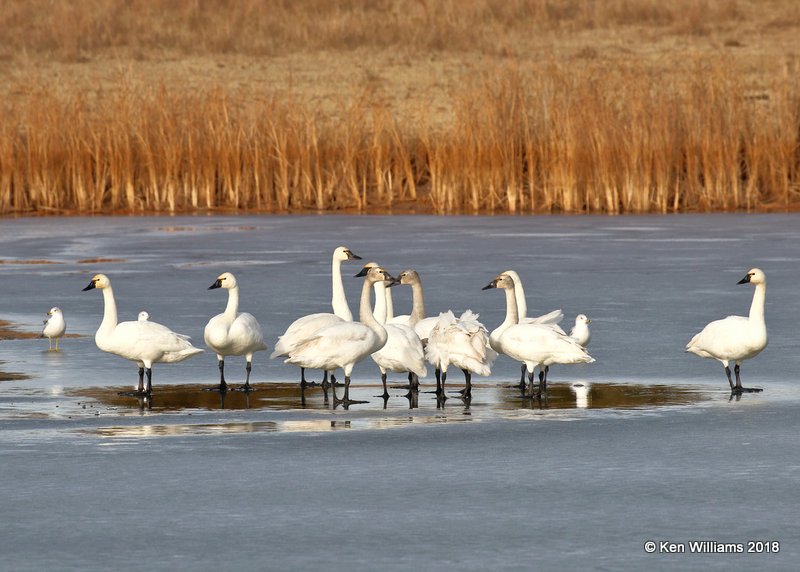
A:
[385,395]
[738,390]
[221,388]
[246,387]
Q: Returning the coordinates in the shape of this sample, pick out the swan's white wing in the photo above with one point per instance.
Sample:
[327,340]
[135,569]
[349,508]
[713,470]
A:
[402,351]
[148,341]
[731,338]
[301,330]
[335,346]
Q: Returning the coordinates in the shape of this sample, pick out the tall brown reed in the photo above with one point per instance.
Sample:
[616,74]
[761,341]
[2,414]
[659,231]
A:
[565,140]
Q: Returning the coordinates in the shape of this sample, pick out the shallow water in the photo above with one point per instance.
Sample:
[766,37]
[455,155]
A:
[643,444]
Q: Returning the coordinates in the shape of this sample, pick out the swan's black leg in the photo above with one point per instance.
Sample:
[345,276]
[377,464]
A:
[521,385]
[385,391]
[246,387]
[543,378]
[303,382]
[728,373]
[467,391]
[738,389]
[149,381]
[325,384]
[443,395]
[223,386]
[531,384]
[140,389]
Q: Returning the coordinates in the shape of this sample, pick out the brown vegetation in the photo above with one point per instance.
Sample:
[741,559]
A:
[479,106]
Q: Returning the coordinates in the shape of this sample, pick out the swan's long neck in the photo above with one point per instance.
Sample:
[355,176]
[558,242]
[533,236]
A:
[417,304]
[511,319]
[522,305]
[389,304]
[512,311]
[109,310]
[339,301]
[757,307]
[233,303]
[365,314]
[381,307]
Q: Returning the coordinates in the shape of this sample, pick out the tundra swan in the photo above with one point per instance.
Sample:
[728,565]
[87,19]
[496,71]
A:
[533,344]
[462,342]
[303,328]
[552,318]
[141,341]
[736,338]
[344,344]
[403,351]
[417,320]
[54,326]
[232,333]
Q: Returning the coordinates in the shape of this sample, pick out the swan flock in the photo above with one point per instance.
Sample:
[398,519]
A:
[401,344]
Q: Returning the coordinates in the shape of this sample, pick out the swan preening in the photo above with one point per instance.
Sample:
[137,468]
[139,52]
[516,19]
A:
[54,326]
[303,328]
[462,342]
[141,341]
[344,344]
[736,338]
[535,345]
[232,333]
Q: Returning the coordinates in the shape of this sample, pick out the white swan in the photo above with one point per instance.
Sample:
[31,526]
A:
[417,320]
[736,338]
[344,344]
[403,351]
[580,331]
[462,342]
[303,328]
[551,318]
[144,342]
[54,326]
[533,344]
[232,333]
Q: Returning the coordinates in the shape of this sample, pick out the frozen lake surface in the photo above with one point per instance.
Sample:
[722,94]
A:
[645,444]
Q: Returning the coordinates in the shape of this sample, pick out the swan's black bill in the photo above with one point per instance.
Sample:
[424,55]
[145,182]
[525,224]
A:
[91,286]
[745,280]
[490,285]
[351,256]
[217,284]
[393,282]
[364,272]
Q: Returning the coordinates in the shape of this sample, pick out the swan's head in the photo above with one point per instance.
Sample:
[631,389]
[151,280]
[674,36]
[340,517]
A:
[408,277]
[224,280]
[143,316]
[98,281]
[514,276]
[54,310]
[503,281]
[343,253]
[365,270]
[378,274]
[582,319]
[754,276]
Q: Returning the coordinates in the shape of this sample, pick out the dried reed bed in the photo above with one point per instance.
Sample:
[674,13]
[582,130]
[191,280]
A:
[566,140]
